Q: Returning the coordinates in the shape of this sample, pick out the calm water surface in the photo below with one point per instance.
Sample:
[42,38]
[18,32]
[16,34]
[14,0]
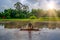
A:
[15,34]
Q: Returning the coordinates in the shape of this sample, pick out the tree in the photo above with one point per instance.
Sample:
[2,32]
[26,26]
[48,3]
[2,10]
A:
[25,8]
[38,12]
[58,12]
[0,15]
[8,13]
[18,6]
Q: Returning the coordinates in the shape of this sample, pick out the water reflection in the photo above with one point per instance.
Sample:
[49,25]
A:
[15,34]
[1,26]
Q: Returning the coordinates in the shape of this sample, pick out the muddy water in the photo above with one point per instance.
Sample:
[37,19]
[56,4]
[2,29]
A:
[16,34]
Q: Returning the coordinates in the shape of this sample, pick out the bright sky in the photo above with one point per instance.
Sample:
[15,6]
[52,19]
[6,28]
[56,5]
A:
[43,4]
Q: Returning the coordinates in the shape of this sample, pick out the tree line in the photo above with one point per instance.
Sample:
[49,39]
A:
[22,12]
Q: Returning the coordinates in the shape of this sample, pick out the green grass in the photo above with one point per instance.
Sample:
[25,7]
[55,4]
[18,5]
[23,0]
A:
[33,20]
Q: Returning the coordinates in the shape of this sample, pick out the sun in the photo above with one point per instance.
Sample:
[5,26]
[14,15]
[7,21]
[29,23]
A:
[50,5]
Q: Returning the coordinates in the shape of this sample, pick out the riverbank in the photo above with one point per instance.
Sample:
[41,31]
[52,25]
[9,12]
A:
[35,20]
[18,23]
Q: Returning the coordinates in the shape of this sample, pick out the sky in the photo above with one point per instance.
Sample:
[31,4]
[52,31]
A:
[42,4]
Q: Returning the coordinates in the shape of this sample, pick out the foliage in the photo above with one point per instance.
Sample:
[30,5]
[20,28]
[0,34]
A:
[58,13]
[22,12]
[33,17]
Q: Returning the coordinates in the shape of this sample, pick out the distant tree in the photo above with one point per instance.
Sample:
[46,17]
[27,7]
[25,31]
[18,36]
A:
[18,6]
[8,13]
[58,13]
[25,7]
[3,15]
[0,15]
[38,12]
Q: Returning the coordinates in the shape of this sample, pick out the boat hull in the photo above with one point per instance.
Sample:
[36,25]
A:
[29,29]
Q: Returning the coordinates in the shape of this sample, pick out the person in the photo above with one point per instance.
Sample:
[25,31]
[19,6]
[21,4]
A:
[30,26]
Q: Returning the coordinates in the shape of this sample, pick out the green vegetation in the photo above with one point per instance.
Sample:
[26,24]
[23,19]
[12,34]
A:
[32,20]
[21,12]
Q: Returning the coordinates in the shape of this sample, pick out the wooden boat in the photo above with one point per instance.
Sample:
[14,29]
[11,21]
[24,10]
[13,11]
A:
[29,29]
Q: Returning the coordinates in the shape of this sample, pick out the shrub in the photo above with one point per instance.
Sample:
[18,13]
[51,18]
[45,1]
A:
[33,17]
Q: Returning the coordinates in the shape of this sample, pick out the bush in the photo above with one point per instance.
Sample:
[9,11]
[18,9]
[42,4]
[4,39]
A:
[0,17]
[8,17]
[33,17]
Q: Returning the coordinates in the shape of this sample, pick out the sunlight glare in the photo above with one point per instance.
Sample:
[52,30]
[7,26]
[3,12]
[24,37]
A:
[50,5]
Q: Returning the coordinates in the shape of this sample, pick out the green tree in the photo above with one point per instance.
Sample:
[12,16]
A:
[0,15]
[38,12]
[25,8]
[18,6]
[58,13]
[7,13]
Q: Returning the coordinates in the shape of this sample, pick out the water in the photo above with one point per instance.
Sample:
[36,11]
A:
[1,26]
[15,34]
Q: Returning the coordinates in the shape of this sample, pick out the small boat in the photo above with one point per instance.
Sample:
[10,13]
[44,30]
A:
[29,29]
